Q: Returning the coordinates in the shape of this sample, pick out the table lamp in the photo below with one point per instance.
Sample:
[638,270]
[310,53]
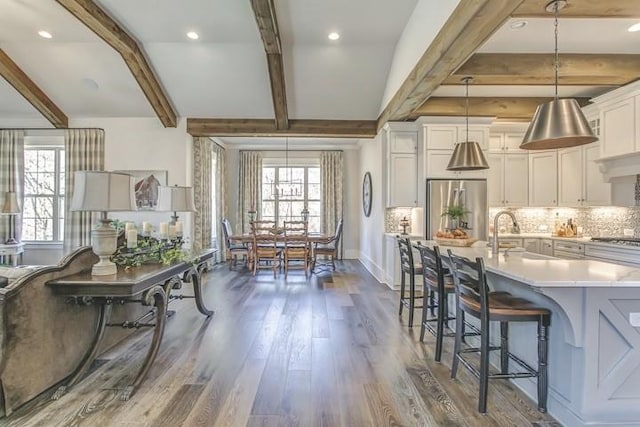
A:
[11,208]
[99,191]
[176,199]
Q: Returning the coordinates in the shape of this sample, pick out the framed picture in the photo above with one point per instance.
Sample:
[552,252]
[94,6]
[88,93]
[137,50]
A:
[145,185]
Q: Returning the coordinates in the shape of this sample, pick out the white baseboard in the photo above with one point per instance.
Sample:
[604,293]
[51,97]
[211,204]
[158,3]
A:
[372,267]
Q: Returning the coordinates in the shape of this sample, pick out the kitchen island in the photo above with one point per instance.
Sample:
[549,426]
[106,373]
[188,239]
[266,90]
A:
[594,348]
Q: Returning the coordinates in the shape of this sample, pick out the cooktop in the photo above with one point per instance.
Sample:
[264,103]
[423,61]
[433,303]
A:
[627,241]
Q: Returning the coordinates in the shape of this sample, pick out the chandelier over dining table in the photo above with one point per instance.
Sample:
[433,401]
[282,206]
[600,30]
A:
[288,187]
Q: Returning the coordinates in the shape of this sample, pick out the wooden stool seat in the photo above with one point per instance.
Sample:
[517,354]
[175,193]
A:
[504,305]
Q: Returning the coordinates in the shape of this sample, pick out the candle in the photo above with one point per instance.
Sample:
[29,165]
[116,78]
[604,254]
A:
[132,238]
[172,232]
[129,226]
[147,228]
[179,228]
[164,230]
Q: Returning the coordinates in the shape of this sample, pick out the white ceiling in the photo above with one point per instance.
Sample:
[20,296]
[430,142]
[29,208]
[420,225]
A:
[224,73]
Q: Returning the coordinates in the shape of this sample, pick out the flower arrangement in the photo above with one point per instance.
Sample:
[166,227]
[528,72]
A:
[149,251]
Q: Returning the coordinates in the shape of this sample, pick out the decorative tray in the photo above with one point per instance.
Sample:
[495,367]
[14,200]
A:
[455,242]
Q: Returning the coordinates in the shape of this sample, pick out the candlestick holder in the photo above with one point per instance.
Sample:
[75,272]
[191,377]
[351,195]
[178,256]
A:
[404,223]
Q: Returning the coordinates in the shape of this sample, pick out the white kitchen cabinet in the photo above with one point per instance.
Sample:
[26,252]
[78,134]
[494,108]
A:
[546,247]
[510,242]
[508,179]
[580,182]
[531,245]
[436,166]
[596,192]
[618,127]
[543,179]
[402,184]
[445,137]
[392,262]
[506,142]
[402,180]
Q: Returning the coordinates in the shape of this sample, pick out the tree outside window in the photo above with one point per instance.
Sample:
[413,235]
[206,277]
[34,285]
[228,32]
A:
[44,198]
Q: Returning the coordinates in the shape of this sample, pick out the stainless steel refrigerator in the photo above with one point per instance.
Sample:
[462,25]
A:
[471,194]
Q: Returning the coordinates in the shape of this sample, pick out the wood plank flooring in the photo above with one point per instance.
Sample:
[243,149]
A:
[328,351]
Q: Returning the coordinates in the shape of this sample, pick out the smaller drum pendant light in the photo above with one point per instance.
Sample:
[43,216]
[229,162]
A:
[467,155]
[558,123]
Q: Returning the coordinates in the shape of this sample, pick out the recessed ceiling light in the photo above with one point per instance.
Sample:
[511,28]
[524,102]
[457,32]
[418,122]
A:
[634,28]
[516,25]
[193,35]
[333,36]
[90,83]
[45,34]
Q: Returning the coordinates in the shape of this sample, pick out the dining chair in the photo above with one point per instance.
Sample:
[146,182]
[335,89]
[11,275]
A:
[265,251]
[233,250]
[327,249]
[296,249]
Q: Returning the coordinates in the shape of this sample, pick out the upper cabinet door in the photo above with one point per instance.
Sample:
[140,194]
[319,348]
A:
[403,180]
[543,179]
[618,124]
[441,137]
[516,180]
[596,192]
[496,142]
[512,142]
[570,177]
[403,141]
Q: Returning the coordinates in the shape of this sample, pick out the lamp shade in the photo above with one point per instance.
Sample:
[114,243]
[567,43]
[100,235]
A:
[102,192]
[175,199]
[467,156]
[10,205]
[558,124]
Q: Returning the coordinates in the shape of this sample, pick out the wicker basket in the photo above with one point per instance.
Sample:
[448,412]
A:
[455,242]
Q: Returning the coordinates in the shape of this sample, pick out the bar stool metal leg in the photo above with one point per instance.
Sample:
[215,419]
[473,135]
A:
[402,285]
[442,313]
[504,347]
[458,343]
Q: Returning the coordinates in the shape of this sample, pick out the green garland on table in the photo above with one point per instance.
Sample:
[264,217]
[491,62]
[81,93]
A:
[149,251]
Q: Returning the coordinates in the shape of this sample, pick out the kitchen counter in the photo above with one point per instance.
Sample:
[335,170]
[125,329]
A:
[545,271]
[594,350]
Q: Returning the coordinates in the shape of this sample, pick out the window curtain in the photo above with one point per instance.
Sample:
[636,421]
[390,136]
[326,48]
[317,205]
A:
[220,173]
[331,179]
[249,186]
[11,178]
[84,150]
[202,173]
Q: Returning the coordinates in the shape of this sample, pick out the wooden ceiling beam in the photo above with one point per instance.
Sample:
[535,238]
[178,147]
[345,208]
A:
[105,27]
[31,92]
[516,108]
[470,24]
[267,127]
[537,69]
[581,9]
[265,14]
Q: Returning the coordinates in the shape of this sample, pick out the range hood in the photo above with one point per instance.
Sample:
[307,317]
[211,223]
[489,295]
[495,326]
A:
[619,166]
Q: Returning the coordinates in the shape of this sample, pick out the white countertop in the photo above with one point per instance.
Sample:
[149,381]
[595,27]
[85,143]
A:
[543,271]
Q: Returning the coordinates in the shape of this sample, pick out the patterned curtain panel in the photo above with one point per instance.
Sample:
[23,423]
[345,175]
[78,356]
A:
[202,170]
[331,176]
[220,203]
[84,150]
[249,186]
[11,177]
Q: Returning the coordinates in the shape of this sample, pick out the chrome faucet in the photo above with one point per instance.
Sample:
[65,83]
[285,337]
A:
[494,243]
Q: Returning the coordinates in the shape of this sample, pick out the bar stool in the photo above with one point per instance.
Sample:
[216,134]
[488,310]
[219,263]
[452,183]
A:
[407,266]
[473,297]
[438,280]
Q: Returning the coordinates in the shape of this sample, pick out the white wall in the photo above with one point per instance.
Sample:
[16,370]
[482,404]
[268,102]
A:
[372,228]
[144,144]
[423,26]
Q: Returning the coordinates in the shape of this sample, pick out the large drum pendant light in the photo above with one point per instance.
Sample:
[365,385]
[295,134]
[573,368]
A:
[558,123]
[467,155]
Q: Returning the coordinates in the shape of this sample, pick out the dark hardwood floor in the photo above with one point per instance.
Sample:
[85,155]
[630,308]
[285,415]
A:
[329,351]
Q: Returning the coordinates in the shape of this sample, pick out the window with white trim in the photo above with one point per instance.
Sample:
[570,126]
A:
[287,191]
[44,195]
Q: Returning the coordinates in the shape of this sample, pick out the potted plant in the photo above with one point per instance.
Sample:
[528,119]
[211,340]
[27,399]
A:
[455,213]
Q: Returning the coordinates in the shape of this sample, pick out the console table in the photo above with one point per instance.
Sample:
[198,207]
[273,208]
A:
[149,285]
[12,250]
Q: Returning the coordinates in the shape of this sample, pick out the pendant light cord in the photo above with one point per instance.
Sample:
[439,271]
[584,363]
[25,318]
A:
[556,59]
[466,105]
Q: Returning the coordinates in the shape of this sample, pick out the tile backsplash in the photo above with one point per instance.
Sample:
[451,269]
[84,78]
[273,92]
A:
[595,222]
